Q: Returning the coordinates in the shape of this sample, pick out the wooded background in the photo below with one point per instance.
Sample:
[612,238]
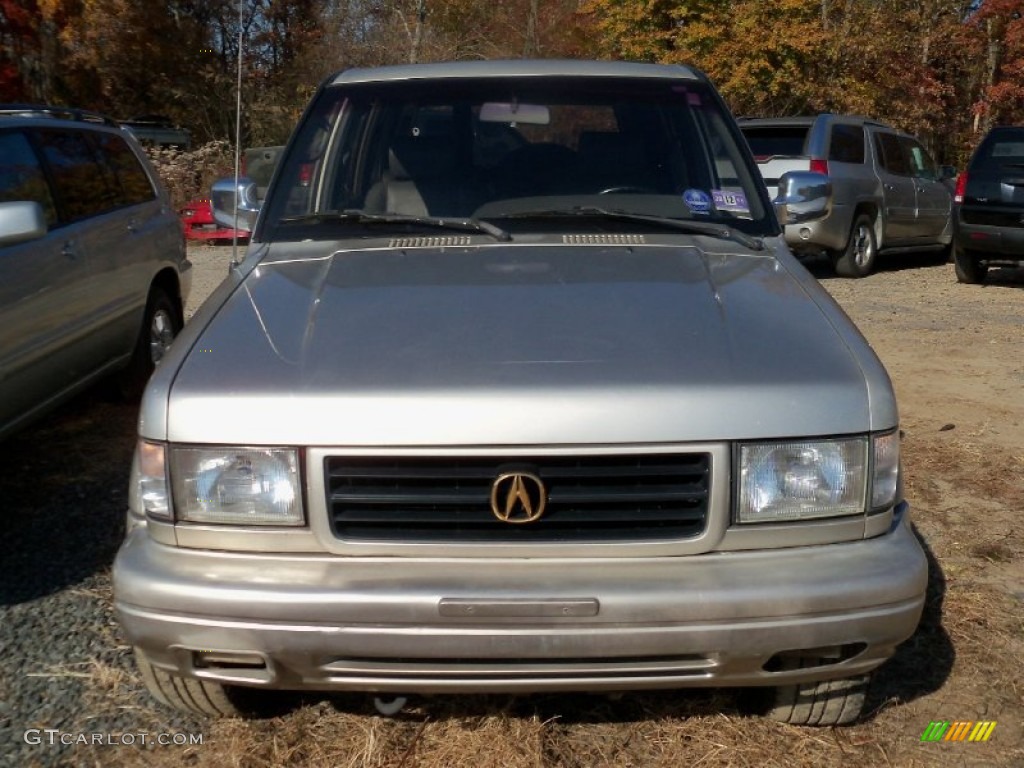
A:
[943,69]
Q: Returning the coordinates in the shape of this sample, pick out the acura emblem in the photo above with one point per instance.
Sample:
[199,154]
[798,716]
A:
[518,497]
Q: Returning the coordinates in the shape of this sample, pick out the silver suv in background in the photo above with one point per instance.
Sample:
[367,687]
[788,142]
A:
[888,196]
[93,273]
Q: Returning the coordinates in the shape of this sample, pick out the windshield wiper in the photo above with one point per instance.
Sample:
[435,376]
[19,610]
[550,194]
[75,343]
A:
[436,222]
[721,231]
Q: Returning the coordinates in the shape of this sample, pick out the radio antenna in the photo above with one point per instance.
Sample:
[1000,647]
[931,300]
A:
[238,137]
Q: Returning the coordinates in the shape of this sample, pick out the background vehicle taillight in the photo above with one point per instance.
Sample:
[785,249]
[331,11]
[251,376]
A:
[819,165]
[961,188]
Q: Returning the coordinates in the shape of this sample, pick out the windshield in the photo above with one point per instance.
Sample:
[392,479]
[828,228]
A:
[503,149]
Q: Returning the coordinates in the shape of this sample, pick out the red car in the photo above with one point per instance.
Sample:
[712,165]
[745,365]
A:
[198,223]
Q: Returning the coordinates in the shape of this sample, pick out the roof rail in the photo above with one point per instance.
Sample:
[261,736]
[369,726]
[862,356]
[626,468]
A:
[63,113]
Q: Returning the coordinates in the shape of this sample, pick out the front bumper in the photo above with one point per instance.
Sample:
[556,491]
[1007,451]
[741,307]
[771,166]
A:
[406,625]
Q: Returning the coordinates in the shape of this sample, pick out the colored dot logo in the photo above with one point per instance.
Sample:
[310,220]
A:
[958,730]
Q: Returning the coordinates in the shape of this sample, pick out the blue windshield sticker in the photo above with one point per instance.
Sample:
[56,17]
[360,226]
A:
[697,200]
[726,200]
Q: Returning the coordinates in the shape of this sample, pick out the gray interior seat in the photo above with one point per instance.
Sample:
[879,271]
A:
[423,179]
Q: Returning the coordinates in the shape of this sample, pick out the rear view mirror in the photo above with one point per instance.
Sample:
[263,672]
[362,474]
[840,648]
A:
[21,221]
[530,114]
[803,196]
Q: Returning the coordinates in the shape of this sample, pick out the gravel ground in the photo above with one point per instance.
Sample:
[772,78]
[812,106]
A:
[956,354]
[63,664]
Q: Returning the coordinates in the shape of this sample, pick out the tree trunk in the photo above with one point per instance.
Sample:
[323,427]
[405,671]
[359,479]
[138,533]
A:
[530,42]
[417,34]
[994,59]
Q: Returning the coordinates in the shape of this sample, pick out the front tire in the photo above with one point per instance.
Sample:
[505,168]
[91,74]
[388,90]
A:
[161,324]
[861,252]
[819,703]
[197,697]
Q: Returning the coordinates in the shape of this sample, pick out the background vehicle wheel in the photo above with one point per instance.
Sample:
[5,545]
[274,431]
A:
[826,702]
[967,267]
[858,259]
[198,697]
[161,324]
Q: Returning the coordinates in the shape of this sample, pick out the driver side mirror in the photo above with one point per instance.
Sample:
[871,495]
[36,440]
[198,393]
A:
[803,196]
[21,221]
[222,199]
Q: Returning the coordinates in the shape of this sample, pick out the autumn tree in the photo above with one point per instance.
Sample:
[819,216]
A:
[19,47]
[904,61]
[944,69]
[998,26]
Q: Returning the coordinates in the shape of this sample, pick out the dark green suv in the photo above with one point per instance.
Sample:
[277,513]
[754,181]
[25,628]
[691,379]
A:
[989,201]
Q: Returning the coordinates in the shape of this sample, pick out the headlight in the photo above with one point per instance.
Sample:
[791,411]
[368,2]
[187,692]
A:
[239,486]
[802,480]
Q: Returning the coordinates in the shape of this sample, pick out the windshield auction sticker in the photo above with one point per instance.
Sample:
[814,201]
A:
[733,202]
[697,200]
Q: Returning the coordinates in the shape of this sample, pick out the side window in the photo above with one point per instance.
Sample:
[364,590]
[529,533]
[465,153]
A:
[134,185]
[921,163]
[83,186]
[847,145]
[892,155]
[21,175]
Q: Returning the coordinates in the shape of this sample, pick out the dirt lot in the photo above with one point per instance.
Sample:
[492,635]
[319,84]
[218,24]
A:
[956,354]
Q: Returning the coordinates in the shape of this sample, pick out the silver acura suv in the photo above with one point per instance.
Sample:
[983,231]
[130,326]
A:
[93,272]
[518,388]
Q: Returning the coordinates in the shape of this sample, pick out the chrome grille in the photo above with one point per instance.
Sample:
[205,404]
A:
[601,498]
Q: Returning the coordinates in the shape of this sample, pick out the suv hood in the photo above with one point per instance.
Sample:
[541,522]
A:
[518,345]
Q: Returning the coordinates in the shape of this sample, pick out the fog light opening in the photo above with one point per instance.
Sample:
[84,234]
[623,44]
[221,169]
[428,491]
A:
[227,660]
[809,658]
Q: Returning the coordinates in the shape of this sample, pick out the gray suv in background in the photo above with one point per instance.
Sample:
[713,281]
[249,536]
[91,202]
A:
[888,196]
[93,273]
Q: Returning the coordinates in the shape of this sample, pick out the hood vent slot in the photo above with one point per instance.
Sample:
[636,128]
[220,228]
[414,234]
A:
[429,242]
[604,239]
